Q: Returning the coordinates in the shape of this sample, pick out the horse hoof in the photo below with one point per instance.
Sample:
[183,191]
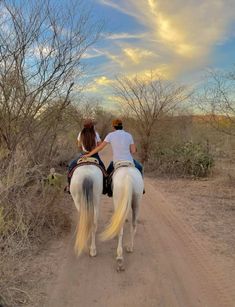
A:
[120,265]
[93,253]
[129,249]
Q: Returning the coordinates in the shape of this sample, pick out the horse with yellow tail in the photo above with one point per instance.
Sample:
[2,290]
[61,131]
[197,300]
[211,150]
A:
[86,189]
[127,194]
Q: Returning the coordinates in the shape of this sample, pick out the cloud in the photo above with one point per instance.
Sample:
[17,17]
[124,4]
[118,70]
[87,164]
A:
[124,35]
[177,38]
[187,29]
[103,80]
[137,54]
[43,51]
[98,84]
[94,53]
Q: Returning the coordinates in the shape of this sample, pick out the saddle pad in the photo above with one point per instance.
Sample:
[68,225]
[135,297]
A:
[87,159]
[123,164]
[70,174]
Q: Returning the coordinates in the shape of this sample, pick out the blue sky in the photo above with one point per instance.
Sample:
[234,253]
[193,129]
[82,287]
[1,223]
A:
[178,39]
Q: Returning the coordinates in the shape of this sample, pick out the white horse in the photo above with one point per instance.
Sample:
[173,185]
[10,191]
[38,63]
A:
[86,189]
[127,193]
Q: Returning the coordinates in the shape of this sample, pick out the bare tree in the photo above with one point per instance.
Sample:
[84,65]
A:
[148,98]
[41,46]
[216,99]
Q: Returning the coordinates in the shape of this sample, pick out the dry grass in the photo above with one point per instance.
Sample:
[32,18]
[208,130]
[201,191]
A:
[31,213]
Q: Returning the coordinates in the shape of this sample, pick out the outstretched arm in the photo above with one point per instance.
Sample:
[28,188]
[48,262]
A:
[97,149]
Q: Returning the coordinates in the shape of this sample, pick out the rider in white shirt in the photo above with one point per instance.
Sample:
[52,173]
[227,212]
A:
[120,141]
[122,146]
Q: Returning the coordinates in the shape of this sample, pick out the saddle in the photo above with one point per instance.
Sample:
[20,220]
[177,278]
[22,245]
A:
[119,164]
[87,161]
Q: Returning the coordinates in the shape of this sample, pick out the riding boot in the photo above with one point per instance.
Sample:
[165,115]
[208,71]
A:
[109,188]
[104,186]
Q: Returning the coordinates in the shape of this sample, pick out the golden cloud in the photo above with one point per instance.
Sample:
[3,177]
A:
[103,80]
[187,28]
[98,84]
[136,54]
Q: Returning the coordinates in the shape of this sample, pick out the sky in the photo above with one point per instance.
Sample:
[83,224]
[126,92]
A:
[178,39]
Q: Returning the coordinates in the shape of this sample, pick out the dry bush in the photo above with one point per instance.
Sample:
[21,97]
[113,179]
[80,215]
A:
[28,205]
[215,97]
[30,214]
[42,44]
[182,160]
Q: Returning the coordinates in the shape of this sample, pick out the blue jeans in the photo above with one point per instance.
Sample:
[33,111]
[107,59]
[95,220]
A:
[138,165]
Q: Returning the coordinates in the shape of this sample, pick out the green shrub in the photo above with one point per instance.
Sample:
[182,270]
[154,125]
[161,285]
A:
[187,159]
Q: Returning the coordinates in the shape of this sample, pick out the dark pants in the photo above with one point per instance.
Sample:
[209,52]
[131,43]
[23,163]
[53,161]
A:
[137,165]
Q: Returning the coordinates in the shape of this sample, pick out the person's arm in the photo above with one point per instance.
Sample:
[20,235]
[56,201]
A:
[79,145]
[98,139]
[97,149]
[133,149]
[79,141]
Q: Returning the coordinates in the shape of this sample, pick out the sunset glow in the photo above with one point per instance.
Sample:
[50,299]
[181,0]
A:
[178,39]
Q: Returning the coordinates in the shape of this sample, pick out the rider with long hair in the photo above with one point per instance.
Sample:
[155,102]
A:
[87,139]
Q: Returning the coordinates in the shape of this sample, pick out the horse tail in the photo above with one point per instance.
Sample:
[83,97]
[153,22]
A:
[121,212]
[86,219]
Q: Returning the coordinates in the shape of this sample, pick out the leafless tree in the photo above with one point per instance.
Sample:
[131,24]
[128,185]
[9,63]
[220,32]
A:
[41,46]
[216,98]
[148,98]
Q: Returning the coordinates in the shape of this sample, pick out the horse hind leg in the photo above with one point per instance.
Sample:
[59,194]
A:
[133,226]
[119,258]
[93,251]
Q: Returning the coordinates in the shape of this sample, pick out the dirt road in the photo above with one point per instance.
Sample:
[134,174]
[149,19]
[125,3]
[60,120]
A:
[169,267]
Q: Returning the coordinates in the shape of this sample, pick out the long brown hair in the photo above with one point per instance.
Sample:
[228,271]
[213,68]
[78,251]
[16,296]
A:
[88,137]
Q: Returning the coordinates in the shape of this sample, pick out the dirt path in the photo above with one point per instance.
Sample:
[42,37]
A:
[169,267]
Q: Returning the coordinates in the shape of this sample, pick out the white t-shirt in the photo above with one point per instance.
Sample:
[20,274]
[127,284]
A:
[120,141]
[97,139]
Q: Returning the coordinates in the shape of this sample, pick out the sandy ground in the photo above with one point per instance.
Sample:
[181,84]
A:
[173,263]
[209,207]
